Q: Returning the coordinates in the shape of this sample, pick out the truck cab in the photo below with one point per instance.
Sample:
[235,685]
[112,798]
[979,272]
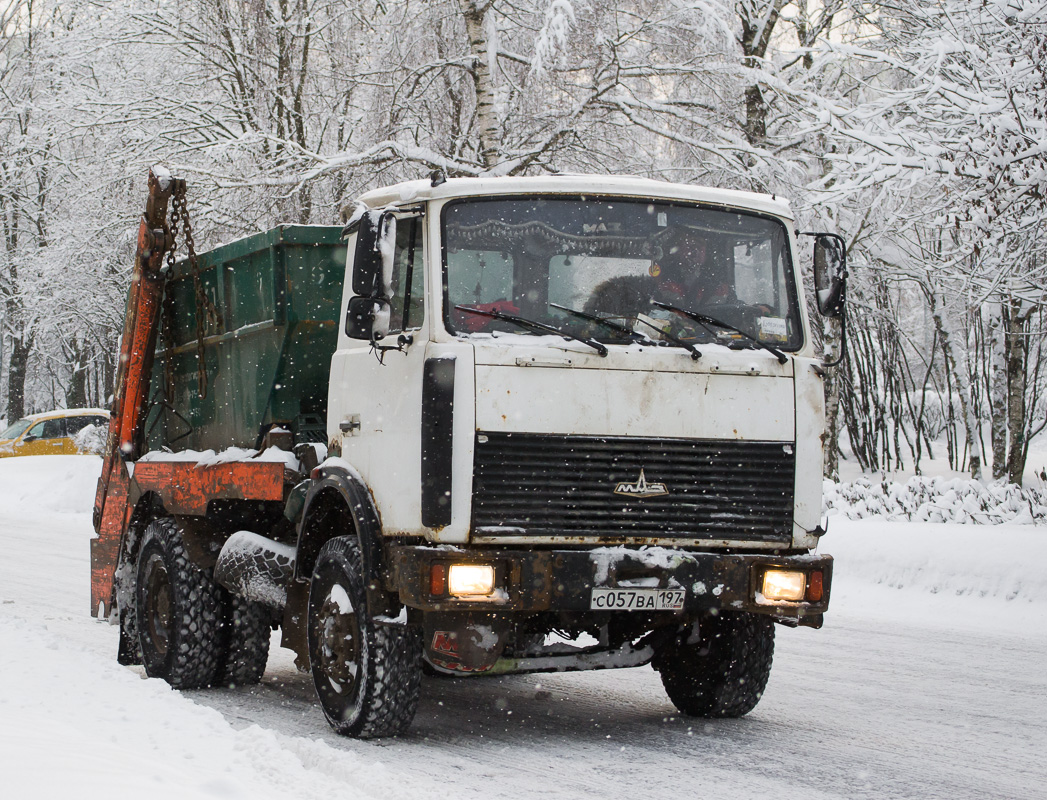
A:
[588,406]
[533,302]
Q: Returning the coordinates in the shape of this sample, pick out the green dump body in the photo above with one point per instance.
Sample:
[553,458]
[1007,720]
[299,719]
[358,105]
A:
[267,350]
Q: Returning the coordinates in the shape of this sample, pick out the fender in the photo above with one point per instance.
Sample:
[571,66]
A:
[354,499]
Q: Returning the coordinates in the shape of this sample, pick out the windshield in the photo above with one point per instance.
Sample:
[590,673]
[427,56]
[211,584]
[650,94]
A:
[15,430]
[613,258]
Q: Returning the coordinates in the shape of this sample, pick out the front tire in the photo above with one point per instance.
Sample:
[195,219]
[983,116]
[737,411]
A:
[725,672]
[367,677]
[177,609]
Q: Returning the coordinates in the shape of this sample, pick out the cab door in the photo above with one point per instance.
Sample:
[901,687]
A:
[375,399]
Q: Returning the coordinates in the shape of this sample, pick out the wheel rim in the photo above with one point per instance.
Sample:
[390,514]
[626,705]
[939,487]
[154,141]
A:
[157,605]
[337,633]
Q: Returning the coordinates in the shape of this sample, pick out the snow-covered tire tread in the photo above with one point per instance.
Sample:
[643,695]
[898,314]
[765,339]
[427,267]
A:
[724,674]
[244,642]
[193,648]
[390,657]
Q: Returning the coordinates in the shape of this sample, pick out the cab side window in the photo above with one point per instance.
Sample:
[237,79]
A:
[408,300]
[48,429]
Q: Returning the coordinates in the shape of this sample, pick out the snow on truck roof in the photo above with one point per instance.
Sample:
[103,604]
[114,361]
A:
[625,186]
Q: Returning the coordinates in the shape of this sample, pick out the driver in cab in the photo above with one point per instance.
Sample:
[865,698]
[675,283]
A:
[686,275]
[683,273]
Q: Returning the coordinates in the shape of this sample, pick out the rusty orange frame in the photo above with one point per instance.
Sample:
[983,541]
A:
[183,487]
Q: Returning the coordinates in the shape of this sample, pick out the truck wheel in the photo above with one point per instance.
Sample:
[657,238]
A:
[244,642]
[367,676]
[725,672]
[178,610]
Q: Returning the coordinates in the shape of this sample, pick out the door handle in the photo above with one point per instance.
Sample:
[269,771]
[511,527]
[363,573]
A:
[350,424]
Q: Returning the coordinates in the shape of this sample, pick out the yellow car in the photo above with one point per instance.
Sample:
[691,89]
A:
[50,433]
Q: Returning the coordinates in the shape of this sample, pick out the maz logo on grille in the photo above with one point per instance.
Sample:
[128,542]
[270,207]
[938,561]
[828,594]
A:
[641,488]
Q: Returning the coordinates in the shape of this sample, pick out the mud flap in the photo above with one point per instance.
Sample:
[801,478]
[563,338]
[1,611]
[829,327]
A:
[464,643]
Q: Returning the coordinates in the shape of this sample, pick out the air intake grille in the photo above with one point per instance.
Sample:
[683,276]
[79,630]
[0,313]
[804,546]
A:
[543,485]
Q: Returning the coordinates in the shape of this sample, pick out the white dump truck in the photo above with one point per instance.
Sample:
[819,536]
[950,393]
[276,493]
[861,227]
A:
[572,422]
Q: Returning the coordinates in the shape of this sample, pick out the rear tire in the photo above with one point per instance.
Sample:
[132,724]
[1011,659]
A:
[725,672]
[177,610]
[244,642]
[367,677]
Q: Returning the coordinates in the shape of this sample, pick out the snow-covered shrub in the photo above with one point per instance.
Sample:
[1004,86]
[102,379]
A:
[91,439]
[936,499]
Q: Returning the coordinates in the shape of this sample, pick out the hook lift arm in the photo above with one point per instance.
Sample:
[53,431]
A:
[127,416]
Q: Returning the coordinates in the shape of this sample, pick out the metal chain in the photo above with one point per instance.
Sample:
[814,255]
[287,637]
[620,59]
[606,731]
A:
[167,310]
[206,313]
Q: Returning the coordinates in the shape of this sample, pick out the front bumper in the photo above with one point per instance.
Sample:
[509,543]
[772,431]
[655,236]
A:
[562,580]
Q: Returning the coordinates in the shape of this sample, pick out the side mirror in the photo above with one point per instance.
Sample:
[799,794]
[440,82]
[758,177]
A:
[374,251]
[367,318]
[28,439]
[830,273]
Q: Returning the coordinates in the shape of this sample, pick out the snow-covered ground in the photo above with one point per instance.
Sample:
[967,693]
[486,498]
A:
[928,681]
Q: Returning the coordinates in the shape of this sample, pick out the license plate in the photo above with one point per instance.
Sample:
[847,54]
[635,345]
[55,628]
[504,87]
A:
[637,599]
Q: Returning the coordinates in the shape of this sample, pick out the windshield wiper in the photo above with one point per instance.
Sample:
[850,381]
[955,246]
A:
[607,323]
[705,320]
[690,348]
[530,324]
[636,336]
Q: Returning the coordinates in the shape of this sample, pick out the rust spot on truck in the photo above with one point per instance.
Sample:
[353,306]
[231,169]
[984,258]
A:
[187,488]
[105,549]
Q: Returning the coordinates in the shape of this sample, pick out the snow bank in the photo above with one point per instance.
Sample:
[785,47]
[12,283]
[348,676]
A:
[47,484]
[68,708]
[936,499]
[1002,562]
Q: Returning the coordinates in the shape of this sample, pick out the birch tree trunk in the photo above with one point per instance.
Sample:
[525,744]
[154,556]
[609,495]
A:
[954,358]
[998,388]
[474,14]
[831,344]
[1015,391]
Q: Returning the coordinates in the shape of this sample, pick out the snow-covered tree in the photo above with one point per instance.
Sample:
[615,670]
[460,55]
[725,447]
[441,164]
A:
[917,130]
[940,127]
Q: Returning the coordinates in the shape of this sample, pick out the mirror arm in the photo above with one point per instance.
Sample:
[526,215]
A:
[403,341]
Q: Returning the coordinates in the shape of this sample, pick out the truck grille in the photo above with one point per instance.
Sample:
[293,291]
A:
[529,484]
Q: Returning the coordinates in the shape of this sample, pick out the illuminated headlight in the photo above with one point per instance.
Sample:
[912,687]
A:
[470,579]
[779,584]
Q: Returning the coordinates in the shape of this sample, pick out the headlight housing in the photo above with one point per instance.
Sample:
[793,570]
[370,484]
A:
[470,580]
[781,585]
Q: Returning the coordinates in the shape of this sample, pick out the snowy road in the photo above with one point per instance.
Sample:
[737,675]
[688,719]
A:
[909,691]
[895,713]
